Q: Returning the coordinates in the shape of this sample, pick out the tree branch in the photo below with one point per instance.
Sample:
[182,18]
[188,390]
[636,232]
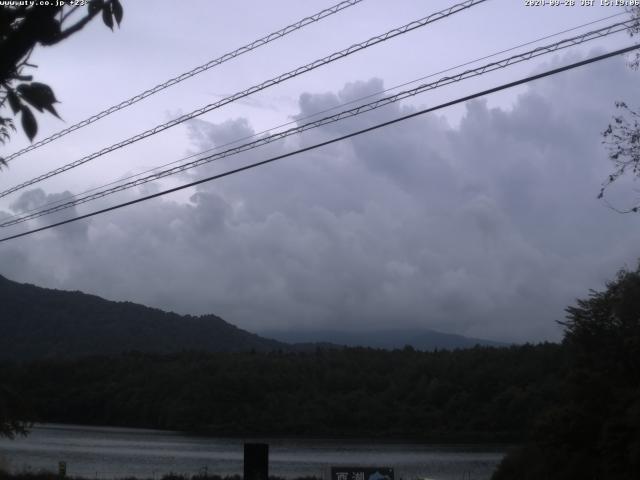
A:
[68,14]
[76,27]
[20,42]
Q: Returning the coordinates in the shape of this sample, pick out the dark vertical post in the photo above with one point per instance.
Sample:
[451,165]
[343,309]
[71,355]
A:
[256,461]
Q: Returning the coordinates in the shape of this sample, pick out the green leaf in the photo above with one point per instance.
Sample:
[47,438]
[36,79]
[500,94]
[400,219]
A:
[106,16]
[29,124]
[39,96]
[116,7]
[14,101]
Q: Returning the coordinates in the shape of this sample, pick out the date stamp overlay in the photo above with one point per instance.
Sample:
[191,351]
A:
[581,3]
[45,3]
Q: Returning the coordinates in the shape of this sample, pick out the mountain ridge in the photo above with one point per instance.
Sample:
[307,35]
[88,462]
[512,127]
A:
[40,323]
[79,324]
[388,339]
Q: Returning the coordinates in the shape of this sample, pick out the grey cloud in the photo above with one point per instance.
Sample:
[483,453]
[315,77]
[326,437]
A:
[205,135]
[30,200]
[487,229]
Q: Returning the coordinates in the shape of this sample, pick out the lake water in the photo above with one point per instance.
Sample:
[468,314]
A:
[101,452]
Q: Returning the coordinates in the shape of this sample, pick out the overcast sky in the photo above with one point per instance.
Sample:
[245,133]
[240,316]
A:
[480,219]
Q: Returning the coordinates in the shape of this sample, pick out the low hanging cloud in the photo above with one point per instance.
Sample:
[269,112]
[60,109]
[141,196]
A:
[489,228]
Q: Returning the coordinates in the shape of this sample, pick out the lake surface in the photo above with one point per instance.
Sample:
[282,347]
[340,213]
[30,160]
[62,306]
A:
[102,452]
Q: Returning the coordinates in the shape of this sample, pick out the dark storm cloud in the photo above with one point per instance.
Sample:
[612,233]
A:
[31,200]
[489,228]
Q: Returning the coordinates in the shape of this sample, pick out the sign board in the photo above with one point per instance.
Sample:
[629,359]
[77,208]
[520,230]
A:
[256,461]
[361,473]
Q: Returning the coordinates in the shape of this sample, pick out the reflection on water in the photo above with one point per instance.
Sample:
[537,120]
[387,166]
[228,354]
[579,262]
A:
[101,452]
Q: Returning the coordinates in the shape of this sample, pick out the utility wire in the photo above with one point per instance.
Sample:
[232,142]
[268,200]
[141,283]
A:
[334,140]
[490,67]
[306,117]
[191,73]
[256,88]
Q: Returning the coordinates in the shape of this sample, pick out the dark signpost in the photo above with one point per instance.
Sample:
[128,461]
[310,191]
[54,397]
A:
[256,461]
[361,473]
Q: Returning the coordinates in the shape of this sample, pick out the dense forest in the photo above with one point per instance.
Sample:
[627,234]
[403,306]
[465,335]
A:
[593,429]
[480,394]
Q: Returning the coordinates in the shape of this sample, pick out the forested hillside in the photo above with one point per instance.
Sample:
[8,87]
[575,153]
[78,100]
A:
[38,323]
[482,394]
[43,323]
[593,431]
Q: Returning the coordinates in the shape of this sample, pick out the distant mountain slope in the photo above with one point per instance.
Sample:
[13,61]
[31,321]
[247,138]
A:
[42,323]
[420,339]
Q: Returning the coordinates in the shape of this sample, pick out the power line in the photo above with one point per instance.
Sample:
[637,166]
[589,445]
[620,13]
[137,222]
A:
[256,88]
[333,140]
[315,114]
[525,56]
[195,71]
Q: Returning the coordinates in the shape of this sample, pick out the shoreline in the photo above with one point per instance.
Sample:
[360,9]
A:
[503,441]
[49,475]
[119,453]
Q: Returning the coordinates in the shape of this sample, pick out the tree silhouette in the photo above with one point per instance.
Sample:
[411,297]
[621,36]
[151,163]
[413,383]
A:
[594,432]
[22,28]
[14,416]
[622,136]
